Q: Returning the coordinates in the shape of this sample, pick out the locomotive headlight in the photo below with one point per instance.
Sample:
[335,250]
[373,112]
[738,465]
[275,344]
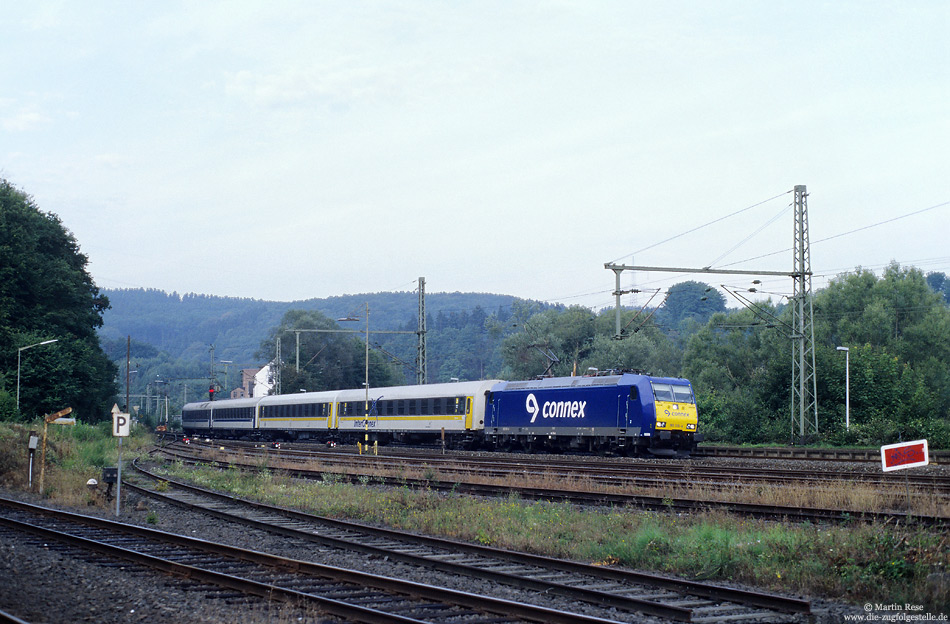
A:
[660,424]
[691,426]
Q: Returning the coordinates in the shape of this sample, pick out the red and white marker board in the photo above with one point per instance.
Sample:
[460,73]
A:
[904,455]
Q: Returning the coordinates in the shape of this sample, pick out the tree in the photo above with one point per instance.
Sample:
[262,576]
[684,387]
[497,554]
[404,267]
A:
[571,341]
[46,293]
[939,283]
[898,333]
[691,300]
[328,361]
[552,342]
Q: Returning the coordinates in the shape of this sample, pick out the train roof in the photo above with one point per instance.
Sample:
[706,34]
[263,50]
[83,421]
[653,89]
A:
[586,381]
[458,388]
[222,403]
[427,391]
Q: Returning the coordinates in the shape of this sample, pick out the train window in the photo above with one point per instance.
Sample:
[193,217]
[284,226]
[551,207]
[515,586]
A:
[682,394]
[634,393]
[662,392]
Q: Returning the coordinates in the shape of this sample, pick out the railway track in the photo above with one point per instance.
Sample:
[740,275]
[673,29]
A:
[598,586]
[657,503]
[844,455]
[617,474]
[807,453]
[347,594]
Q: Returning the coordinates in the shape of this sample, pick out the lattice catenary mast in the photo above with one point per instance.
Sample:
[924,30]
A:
[422,366]
[804,408]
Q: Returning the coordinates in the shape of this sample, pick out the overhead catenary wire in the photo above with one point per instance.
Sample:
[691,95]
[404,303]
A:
[662,242]
[849,232]
[750,236]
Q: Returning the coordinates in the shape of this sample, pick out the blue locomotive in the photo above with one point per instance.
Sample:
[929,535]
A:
[617,413]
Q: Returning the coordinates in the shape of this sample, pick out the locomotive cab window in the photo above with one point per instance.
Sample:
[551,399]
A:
[634,393]
[662,392]
[682,394]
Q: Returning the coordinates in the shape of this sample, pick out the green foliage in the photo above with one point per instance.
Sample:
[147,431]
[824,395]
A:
[939,283]
[571,341]
[898,333]
[883,563]
[46,293]
[171,335]
[328,360]
[690,302]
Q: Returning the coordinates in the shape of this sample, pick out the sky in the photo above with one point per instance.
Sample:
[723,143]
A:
[288,150]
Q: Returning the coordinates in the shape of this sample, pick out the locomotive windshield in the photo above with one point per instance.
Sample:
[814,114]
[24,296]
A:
[672,392]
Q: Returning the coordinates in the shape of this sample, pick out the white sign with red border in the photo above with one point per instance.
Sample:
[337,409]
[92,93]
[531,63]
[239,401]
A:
[904,455]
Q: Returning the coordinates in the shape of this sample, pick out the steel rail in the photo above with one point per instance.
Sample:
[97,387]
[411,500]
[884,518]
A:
[660,503]
[705,590]
[806,453]
[937,456]
[406,589]
[9,618]
[613,473]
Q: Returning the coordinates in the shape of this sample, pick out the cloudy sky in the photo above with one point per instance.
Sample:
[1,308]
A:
[288,150]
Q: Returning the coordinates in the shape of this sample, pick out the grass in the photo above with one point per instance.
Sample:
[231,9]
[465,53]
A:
[850,495]
[857,563]
[74,454]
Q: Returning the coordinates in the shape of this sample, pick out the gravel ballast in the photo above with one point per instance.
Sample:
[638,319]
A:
[48,583]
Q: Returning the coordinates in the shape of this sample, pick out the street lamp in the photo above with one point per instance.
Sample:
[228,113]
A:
[18,352]
[366,383]
[847,388]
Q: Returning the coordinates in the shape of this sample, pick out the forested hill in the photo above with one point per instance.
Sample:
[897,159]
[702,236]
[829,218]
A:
[184,326]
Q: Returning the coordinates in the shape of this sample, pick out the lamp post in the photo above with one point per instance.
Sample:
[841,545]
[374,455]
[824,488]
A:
[847,388]
[366,382]
[18,352]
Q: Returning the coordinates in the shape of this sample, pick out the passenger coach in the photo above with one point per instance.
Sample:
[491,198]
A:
[618,413]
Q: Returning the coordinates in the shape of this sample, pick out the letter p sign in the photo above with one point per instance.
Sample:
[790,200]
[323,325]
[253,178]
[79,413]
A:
[120,425]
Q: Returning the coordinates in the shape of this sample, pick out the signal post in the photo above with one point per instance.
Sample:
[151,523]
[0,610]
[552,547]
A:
[121,427]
